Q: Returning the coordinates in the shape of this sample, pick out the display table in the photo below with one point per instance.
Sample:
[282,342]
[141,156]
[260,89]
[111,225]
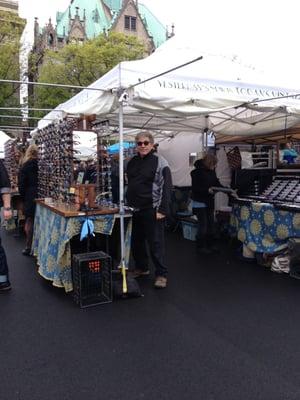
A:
[54,227]
[262,227]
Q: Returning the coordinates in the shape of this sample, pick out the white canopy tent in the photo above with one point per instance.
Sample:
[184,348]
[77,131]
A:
[3,138]
[205,91]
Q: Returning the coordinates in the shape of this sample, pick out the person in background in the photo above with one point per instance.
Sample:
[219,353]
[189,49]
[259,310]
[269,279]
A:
[28,188]
[115,178]
[5,189]
[289,154]
[19,154]
[16,201]
[79,171]
[90,174]
[76,164]
[149,193]
[203,179]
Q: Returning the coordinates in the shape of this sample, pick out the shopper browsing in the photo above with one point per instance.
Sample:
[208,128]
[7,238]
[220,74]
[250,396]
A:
[149,193]
[7,214]
[203,179]
[28,188]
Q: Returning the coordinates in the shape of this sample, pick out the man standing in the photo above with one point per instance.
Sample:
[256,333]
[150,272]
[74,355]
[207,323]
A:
[7,213]
[149,193]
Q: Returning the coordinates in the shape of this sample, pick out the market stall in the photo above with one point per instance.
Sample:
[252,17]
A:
[267,211]
[67,209]
[160,95]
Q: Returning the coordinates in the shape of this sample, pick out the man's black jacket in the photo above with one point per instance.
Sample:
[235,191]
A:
[149,183]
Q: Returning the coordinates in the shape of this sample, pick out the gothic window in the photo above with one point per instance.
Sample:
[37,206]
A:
[133,23]
[130,23]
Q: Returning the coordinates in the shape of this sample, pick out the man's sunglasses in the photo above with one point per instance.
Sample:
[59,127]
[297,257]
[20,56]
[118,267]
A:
[145,143]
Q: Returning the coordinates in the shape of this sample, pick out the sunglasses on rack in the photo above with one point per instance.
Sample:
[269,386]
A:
[145,143]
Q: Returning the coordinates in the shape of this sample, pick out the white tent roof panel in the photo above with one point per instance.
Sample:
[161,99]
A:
[214,92]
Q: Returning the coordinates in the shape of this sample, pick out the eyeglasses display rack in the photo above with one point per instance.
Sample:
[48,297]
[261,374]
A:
[11,161]
[283,192]
[104,196]
[55,160]
[56,169]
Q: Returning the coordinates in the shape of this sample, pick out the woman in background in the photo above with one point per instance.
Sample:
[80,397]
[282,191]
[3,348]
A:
[203,179]
[28,188]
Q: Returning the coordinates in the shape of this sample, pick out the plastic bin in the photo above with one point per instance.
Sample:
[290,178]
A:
[189,230]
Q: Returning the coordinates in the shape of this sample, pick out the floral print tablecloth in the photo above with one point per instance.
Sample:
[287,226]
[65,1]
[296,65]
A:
[262,227]
[51,242]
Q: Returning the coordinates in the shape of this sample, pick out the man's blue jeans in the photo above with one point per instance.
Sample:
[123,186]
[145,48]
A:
[3,265]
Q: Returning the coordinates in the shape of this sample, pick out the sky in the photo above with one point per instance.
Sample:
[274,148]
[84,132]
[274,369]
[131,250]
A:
[261,33]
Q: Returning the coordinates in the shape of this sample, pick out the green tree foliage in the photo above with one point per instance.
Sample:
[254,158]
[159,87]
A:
[80,64]
[11,27]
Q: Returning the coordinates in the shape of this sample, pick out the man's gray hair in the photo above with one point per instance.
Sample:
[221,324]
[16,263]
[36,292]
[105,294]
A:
[146,134]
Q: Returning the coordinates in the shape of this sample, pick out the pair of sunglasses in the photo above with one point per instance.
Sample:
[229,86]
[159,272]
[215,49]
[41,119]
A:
[145,143]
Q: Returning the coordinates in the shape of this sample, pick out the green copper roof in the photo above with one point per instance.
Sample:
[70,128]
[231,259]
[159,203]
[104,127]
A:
[155,28]
[114,5]
[96,20]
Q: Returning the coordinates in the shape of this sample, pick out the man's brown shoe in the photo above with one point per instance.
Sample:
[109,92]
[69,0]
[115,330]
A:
[160,282]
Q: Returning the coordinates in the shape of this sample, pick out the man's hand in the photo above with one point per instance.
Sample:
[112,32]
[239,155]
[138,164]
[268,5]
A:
[210,191]
[160,215]
[7,214]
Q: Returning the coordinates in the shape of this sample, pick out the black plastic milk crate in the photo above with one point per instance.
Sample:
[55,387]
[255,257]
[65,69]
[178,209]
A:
[92,278]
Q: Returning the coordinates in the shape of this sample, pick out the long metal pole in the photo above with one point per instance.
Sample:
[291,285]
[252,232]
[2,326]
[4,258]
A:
[17,127]
[165,72]
[50,85]
[121,190]
[29,109]
[20,117]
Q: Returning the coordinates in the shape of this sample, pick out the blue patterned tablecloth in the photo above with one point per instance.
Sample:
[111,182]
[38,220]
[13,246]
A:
[262,227]
[51,242]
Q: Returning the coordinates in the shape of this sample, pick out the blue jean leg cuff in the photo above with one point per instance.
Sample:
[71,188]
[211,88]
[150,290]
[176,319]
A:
[3,278]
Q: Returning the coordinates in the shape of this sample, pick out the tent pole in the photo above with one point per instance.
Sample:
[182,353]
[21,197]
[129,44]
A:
[205,134]
[122,99]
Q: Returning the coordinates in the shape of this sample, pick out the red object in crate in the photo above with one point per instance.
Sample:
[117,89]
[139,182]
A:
[94,266]
[92,278]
